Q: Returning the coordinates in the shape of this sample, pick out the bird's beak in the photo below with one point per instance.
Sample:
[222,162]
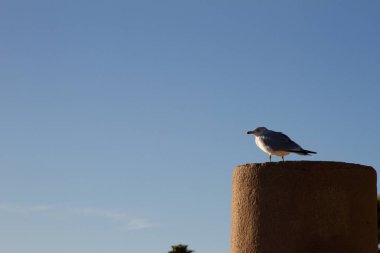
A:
[250,132]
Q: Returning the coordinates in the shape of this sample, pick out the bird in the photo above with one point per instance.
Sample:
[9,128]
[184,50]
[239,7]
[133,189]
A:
[277,143]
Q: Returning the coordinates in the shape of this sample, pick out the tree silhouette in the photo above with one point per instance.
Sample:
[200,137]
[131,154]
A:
[378,220]
[180,248]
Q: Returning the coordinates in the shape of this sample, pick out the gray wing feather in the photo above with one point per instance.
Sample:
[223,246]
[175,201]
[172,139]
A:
[278,141]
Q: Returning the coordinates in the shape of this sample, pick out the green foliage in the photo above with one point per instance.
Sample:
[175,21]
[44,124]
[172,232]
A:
[180,248]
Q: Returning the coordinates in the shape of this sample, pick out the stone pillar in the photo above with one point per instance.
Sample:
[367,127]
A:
[304,207]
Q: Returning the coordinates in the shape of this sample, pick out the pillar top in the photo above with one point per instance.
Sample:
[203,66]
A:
[306,165]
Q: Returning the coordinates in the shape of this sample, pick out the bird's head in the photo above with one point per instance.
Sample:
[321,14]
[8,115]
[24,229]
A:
[258,131]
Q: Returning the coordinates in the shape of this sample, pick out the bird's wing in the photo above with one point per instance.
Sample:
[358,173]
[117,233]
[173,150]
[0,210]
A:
[278,141]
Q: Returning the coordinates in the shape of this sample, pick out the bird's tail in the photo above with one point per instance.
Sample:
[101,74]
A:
[304,152]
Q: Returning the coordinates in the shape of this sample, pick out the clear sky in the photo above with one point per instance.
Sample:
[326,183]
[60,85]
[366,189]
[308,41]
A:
[121,121]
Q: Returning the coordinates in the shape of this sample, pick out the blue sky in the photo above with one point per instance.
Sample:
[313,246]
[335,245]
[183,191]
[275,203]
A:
[121,121]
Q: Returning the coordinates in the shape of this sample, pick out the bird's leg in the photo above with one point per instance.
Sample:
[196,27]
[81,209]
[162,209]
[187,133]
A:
[270,158]
[283,158]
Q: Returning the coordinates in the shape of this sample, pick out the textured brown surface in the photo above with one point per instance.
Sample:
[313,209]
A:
[304,207]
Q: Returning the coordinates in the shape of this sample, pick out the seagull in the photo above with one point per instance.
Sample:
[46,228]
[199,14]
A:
[277,143]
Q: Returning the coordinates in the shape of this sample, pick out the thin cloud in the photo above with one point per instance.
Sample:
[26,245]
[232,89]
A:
[97,212]
[120,217]
[24,209]
[137,224]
